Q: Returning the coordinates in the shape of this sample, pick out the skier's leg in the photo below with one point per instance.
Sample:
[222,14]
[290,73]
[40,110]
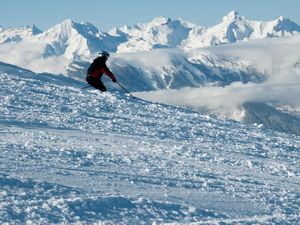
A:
[96,83]
[101,86]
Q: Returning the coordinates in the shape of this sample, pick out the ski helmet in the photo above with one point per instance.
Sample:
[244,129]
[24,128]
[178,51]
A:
[104,53]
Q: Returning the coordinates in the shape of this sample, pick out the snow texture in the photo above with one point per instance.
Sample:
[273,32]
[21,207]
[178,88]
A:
[72,156]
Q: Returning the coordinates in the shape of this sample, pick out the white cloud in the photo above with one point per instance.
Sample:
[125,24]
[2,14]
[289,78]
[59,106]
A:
[227,101]
[278,57]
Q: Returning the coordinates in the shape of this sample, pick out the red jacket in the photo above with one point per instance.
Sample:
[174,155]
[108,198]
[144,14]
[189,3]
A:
[98,67]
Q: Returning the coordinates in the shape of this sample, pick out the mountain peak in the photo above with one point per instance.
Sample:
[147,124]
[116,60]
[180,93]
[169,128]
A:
[18,34]
[232,15]
[284,24]
[67,22]
[83,28]
[280,18]
[160,20]
[35,30]
[65,26]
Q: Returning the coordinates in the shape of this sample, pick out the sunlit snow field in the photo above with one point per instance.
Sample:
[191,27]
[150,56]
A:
[78,156]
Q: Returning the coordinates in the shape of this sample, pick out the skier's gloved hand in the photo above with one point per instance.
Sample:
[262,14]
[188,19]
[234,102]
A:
[114,80]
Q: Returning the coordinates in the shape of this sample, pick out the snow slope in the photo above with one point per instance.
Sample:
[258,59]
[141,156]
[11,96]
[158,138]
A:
[78,156]
[261,113]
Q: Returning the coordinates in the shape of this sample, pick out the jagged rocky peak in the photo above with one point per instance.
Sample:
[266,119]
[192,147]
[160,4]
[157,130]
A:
[160,20]
[23,29]
[115,32]
[35,30]
[231,16]
[67,23]
[285,24]
[26,29]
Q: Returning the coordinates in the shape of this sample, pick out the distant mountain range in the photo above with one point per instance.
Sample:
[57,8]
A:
[68,48]
[166,33]
[73,39]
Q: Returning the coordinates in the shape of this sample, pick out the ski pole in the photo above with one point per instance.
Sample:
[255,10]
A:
[125,90]
[86,87]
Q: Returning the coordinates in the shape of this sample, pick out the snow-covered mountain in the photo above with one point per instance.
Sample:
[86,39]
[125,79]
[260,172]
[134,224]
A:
[61,47]
[81,41]
[161,32]
[71,156]
[236,28]
[76,40]
[68,48]
[18,34]
[167,33]
[172,69]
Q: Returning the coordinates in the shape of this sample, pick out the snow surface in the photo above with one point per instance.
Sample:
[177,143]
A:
[72,156]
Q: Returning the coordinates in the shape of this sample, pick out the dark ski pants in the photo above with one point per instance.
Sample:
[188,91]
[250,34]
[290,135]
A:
[96,83]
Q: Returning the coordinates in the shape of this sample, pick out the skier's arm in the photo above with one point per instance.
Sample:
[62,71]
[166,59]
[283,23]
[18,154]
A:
[109,74]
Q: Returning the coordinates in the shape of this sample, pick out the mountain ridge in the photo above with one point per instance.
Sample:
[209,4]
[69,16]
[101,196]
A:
[68,47]
[162,32]
[234,28]
[18,34]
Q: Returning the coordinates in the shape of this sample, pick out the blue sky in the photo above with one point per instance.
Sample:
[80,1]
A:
[115,13]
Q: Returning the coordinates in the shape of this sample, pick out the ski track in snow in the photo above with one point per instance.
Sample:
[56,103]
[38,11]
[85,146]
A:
[78,156]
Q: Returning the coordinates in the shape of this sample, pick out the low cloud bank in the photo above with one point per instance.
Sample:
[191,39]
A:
[227,101]
[279,58]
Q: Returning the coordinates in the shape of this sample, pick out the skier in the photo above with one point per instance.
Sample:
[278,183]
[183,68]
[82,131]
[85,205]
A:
[96,70]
